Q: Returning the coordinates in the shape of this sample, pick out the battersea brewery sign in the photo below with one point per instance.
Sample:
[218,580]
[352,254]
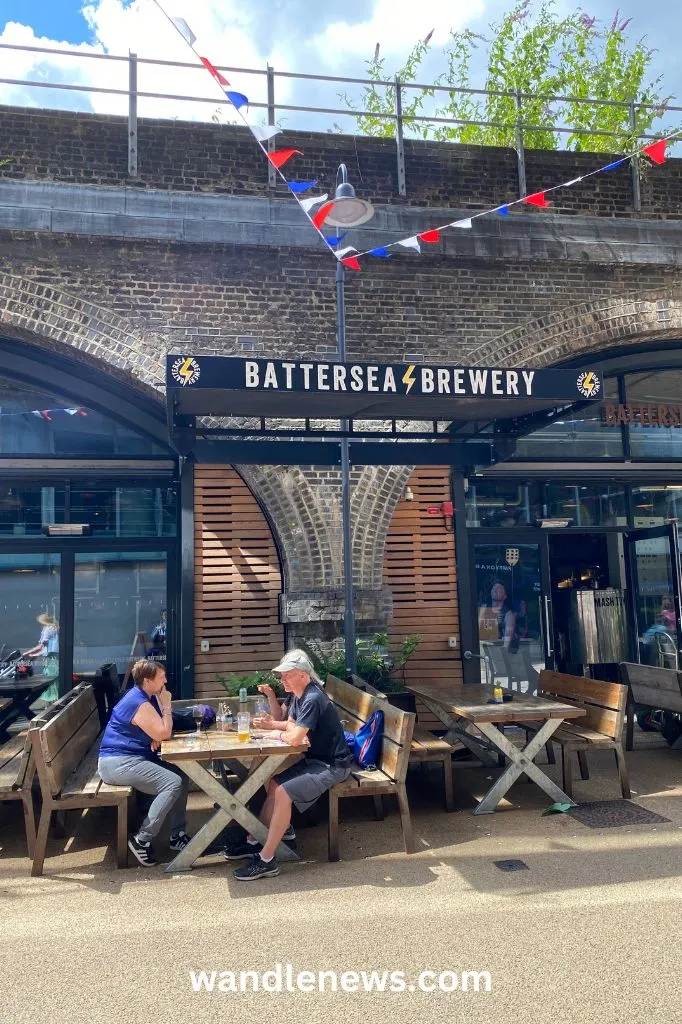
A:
[397,379]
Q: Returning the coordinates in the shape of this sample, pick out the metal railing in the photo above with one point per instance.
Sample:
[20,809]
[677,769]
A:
[401,122]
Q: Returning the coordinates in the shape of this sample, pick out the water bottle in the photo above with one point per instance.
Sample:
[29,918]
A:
[227,719]
[242,695]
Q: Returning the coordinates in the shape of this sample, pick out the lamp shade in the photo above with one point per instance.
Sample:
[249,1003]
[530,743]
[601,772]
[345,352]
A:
[348,211]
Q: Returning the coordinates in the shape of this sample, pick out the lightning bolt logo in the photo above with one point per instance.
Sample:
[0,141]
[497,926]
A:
[589,384]
[408,378]
[186,371]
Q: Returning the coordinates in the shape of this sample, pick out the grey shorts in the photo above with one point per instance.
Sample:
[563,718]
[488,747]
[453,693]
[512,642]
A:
[305,782]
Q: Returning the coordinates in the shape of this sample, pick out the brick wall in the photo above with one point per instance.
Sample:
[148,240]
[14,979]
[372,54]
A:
[190,157]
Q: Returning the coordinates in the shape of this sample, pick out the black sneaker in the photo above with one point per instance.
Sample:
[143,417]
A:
[241,850]
[256,868]
[179,841]
[290,835]
[142,851]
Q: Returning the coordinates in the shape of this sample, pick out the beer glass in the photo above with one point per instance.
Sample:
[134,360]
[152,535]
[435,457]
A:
[243,726]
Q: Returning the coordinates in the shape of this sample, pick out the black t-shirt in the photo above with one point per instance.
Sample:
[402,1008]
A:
[314,710]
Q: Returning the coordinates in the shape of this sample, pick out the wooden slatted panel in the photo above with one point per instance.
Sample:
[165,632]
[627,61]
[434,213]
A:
[420,569]
[237,578]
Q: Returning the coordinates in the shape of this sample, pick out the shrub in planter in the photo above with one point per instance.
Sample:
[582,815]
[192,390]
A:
[232,683]
[374,665]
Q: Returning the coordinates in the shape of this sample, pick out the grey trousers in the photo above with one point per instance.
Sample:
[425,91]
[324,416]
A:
[165,782]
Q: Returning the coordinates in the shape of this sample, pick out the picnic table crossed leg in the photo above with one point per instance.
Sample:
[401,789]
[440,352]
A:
[457,732]
[232,807]
[521,761]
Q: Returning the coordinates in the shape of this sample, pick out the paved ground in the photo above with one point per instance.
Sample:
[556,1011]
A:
[590,932]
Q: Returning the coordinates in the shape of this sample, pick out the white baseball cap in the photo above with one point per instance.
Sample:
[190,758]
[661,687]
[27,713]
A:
[300,660]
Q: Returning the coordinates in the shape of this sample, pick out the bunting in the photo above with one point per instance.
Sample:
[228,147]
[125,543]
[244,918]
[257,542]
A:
[349,256]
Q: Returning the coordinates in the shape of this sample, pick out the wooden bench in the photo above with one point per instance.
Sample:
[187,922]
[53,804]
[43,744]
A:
[649,687]
[356,707]
[600,729]
[17,769]
[65,744]
[425,747]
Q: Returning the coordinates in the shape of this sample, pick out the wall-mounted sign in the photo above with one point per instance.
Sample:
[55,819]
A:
[642,415]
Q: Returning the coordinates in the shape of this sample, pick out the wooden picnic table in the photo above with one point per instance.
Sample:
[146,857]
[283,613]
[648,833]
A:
[460,706]
[16,696]
[263,755]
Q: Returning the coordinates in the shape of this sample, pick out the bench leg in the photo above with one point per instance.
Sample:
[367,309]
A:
[630,727]
[549,748]
[333,840]
[622,771]
[582,761]
[447,780]
[29,821]
[378,807]
[567,772]
[41,840]
[405,820]
[122,834]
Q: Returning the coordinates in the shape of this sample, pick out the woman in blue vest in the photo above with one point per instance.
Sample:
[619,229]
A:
[128,756]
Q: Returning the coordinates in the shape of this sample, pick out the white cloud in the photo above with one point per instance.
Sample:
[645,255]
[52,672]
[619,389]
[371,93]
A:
[397,25]
[223,35]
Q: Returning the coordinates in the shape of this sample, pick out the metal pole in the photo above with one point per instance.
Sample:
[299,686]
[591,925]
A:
[399,140]
[520,151]
[634,163]
[348,609]
[132,115]
[272,175]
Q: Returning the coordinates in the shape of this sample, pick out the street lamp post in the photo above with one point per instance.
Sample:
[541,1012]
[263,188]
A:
[348,212]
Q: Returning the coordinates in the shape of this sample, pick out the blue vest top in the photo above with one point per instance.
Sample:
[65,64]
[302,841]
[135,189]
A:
[121,737]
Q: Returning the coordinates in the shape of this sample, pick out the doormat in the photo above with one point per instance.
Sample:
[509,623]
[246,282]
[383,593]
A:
[511,865]
[613,813]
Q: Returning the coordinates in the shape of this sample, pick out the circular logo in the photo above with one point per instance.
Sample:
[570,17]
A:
[588,383]
[186,371]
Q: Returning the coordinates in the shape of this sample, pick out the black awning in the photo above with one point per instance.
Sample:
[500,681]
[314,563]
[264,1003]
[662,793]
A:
[300,389]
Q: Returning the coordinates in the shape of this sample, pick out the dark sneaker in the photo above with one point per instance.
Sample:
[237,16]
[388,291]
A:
[142,851]
[256,868]
[239,851]
[179,841]
[290,835]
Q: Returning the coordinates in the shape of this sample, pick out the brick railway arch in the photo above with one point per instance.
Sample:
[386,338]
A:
[592,327]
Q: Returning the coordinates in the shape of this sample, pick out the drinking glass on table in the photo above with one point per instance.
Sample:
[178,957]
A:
[243,726]
[198,716]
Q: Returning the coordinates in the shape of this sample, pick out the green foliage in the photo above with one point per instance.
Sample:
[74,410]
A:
[374,664]
[251,680]
[531,51]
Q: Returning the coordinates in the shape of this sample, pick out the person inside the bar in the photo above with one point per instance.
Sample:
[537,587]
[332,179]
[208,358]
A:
[128,756]
[312,719]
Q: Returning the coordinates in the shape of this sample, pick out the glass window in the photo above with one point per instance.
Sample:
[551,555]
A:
[581,434]
[119,609]
[587,504]
[656,505]
[26,508]
[124,511]
[38,422]
[654,405]
[501,503]
[29,608]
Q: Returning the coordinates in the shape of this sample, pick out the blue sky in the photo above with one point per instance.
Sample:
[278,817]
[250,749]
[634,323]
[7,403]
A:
[293,35]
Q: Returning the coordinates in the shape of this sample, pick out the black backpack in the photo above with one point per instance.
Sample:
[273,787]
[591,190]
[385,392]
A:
[671,727]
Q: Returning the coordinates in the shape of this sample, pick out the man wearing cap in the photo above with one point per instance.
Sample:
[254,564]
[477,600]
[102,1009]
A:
[311,717]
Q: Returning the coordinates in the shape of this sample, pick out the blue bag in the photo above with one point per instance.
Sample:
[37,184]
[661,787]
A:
[366,746]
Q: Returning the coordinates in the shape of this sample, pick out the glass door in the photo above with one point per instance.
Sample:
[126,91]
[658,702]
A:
[512,608]
[654,570]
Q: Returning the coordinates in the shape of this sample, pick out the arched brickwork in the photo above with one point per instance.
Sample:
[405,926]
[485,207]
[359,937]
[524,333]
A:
[589,328]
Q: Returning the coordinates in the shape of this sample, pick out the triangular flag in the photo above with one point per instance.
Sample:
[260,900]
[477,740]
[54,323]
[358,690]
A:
[616,163]
[411,243]
[184,30]
[351,262]
[536,199]
[310,204]
[381,251]
[280,156]
[575,181]
[214,71]
[237,99]
[342,252]
[466,223]
[301,186]
[265,132]
[335,239]
[502,210]
[322,214]
[656,151]
[430,236]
